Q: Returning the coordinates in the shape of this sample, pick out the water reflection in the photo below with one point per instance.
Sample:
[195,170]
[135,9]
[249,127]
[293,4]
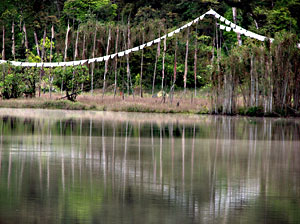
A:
[106,168]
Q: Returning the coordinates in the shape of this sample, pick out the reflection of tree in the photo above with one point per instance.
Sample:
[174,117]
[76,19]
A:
[82,169]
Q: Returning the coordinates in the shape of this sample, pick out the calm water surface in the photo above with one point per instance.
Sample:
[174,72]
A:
[100,167]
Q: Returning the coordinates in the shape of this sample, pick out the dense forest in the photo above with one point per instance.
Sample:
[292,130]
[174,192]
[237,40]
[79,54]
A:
[237,71]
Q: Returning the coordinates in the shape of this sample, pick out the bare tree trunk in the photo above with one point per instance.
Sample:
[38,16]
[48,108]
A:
[195,61]
[163,65]
[186,60]
[252,81]
[25,36]
[66,51]
[66,42]
[26,39]
[142,65]
[127,59]
[116,62]
[3,54]
[13,49]
[175,72]
[106,62]
[42,60]
[3,42]
[76,44]
[155,66]
[51,48]
[37,44]
[234,13]
[93,64]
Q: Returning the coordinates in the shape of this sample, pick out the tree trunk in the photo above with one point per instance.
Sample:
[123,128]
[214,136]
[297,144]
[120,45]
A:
[142,65]
[127,59]
[42,60]
[13,49]
[66,51]
[51,48]
[195,61]
[175,72]
[26,39]
[234,13]
[3,42]
[163,65]
[37,44]
[116,62]
[186,60]
[155,66]
[93,64]
[106,62]
[76,45]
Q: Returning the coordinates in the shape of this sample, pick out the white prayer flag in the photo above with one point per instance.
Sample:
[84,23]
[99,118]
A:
[211,12]
[127,51]
[76,63]
[54,64]
[163,37]
[177,31]
[135,49]
[16,63]
[189,24]
[99,59]
[183,27]
[83,61]
[106,58]
[196,20]
[69,63]
[222,19]
[298,45]
[121,54]
[217,16]
[2,61]
[149,44]
[202,17]
[232,25]
[227,22]
[222,27]
[157,40]
[47,65]
[142,46]
[113,56]
[228,28]
[39,65]
[91,60]
[171,34]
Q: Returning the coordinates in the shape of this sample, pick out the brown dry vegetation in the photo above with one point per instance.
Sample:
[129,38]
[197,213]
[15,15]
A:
[180,104]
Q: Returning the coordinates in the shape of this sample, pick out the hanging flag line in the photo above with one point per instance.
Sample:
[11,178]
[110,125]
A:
[230,27]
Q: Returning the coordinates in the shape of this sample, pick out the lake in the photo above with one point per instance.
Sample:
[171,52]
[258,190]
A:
[104,167]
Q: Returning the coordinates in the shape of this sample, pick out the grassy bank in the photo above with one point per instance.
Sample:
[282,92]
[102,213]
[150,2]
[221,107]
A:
[147,104]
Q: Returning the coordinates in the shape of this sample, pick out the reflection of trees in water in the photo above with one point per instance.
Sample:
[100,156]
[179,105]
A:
[207,179]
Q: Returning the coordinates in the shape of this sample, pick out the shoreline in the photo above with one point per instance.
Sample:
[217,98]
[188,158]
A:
[196,106]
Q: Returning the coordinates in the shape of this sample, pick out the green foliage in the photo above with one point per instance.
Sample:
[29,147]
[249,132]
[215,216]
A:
[82,10]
